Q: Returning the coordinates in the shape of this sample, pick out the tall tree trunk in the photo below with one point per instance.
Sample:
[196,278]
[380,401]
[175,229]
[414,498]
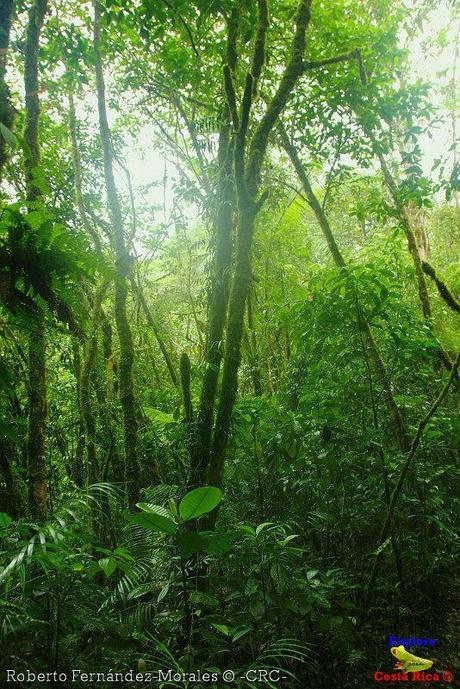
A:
[218,299]
[237,304]
[126,391]
[247,179]
[37,389]
[7,111]
[85,472]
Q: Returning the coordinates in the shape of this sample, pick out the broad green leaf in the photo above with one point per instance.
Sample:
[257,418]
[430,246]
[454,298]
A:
[108,565]
[263,526]
[153,509]
[153,522]
[199,501]
[221,628]
[240,632]
[78,567]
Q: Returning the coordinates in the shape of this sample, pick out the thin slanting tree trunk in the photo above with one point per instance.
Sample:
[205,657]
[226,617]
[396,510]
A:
[7,112]
[405,222]
[404,219]
[403,214]
[37,389]
[137,289]
[408,447]
[443,290]
[396,419]
[87,427]
[126,391]
[247,178]
[410,456]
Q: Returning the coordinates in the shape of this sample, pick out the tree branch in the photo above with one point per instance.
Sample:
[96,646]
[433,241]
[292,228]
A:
[443,290]
[292,72]
[344,57]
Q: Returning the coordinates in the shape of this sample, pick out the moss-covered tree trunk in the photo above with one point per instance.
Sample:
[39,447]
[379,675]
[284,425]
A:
[125,370]
[237,305]
[247,170]
[37,472]
[218,299]
[7,112]
[404,215]
[404,218]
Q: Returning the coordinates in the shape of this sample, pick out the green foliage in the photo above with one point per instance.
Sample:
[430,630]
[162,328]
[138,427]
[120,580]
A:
[280,581]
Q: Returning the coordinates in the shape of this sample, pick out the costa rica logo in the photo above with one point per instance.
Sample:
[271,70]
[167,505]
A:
[408,662]
[412,668]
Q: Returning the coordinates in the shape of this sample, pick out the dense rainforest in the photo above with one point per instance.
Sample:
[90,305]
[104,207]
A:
[229,343]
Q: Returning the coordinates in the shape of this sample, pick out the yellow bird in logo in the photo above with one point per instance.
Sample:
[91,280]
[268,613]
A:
[408,662]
